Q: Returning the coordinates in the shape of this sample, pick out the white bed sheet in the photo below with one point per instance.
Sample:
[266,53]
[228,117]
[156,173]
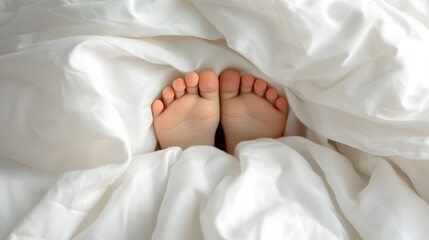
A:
[77,146]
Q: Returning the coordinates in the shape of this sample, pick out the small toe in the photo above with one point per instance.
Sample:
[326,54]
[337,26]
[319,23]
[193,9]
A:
[260,87]
[157,107]
[281,104]
[179,87]
[272,95]
[208,85]
[167,95]
[191,80]
[247,81]
[229,84]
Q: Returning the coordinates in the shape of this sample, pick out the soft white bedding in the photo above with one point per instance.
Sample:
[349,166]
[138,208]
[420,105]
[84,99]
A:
[77,157]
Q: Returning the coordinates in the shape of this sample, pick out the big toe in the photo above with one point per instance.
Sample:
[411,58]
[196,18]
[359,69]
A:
[229,84]
[208,85]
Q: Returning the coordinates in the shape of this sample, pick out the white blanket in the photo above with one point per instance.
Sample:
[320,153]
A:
[77,147]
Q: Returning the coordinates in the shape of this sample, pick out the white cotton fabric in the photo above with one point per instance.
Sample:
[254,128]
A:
[77,147]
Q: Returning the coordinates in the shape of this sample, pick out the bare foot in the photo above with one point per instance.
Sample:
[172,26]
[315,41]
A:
[189,111]
[249,109]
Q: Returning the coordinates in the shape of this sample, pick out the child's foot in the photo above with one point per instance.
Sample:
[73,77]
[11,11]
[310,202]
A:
[249,109]
[189,111]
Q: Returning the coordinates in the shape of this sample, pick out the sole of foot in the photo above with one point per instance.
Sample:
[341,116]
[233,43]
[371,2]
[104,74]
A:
[249,109]
[188,112]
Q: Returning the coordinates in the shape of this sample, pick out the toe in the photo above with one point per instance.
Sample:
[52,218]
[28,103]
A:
[208,85]
[272,95]
[179,87]
[247,81]
[157,108]
[229,84]
[191,80]
[260,87]
[168,95]
[281,104]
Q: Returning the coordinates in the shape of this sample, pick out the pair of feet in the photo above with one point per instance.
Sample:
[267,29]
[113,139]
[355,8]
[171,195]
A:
[190,110]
